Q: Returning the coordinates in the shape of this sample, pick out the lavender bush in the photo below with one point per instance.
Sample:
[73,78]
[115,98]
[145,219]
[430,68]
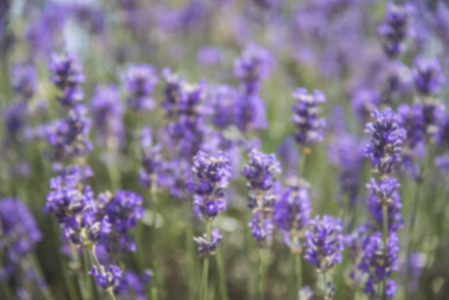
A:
[138,138]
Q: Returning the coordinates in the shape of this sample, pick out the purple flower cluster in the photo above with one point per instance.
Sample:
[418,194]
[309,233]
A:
[385,147]
[153,167]
[251,68]
[395,28]
[23,81]
[212,175]
[346,154]
[107,112]
[207,246]
[364,101]
[74,208]
[140,81]
[122,210]
[377,266]
[19,232]
[292,213]
[14,117]
[427,76]
[69,137]
[324,243]
[67,75]
[412,120]
[306,116]
[259,175]
[109,278]
[385,192]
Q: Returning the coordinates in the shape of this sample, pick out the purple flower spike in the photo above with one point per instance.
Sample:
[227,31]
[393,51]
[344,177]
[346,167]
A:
[109,278]
[395,28]
[259,173]
[140,81]
[385,192]
[306,116]
[385,147]
[427,76]
[19,230]
[374,264]
[207,246]
[212,174]
[292,211]
[324,243]
[252,67]
[107,110]
[23,81]
[263,236]
[364,102]
[67,75]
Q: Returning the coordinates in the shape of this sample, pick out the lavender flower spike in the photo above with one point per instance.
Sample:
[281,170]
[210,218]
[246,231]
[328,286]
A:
[140,81]
[385,147]
[109,278]
[324,242]
[67,75]
[306,116]
[212,174]
[23,81]
[427,76]
[208,246]
[377,266]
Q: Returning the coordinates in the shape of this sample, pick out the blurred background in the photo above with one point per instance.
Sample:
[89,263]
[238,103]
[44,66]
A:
[336,46]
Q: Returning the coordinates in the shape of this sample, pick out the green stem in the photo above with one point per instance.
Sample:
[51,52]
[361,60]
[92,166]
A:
[80,277]
[260,275]
[325,285]
[298,272]
[410,237]
[157,276]
[206,265]
[221,275]
[291,278]
[100,269]
[385,242]
[191,268]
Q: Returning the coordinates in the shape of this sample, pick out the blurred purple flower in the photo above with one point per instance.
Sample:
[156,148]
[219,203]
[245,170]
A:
[140,81]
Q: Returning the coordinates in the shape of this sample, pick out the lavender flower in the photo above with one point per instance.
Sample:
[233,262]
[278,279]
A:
[153,166]
[377,266]
[306,116]
[107,110]
[346,154]
[14,118]
[212,174]
[123,210]
[385,193]
[67,75]
[433,112]
[259,175]
[395,28]
[224,100]
[324,243]
[412,120]
[140,81]
[23,81]
[74,208]
[385,147]
[109,278]
[442,163]
[19,231]
[207,246]
[364,102]
[252,67]
[292,211]
[69,137]
[427,76]
[288,156]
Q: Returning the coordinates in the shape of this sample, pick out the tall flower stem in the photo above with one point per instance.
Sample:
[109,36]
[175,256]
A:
[97,264]
[206,265]
[191,269]
[155,247]
[298,272]
[385,242]
[410,236]
[260,276]
[325,285]
[221,275]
